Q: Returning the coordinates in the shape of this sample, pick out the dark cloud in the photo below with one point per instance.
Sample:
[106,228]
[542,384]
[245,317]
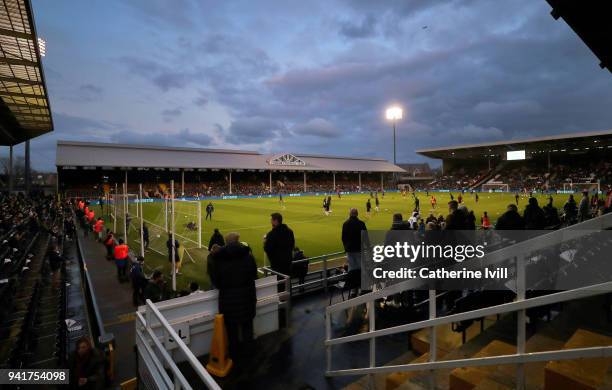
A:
[253,130]
[364,29]
[184,137]
[91,89]
[165,77]
[170,113]
[317,127]
[200,100]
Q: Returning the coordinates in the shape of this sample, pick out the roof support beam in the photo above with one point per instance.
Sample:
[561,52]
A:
[33,122]
[23,105]
[19,81]
[23,114]
[17,61]
[24,95]
[15,34]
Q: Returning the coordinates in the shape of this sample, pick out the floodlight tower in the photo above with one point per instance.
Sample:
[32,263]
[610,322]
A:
[394,113]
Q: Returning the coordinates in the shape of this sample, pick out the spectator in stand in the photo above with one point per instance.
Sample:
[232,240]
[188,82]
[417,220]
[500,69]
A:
[351,239]
[86,366]
[155,289]
[457,218]
[510,220]
[584,207]
[550,213]
[194,288]
[210,262]
[216,238]
[299,267]
[570,210]
[177,258]
[534,216]
[234,273]
[109,244]
[608,203]
[145,235]
[485,221]
[139,281]
[431,218]
[279,244]
[471,220]
[399,223]
[55,258]
[99,229]
[121,252]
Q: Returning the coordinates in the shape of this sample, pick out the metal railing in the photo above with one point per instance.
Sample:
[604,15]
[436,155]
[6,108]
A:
[284,296]
[150,348]
[517,253]
[103,337]
[316,278]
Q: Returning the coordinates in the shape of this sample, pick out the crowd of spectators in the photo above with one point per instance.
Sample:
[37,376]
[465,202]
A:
[530,176]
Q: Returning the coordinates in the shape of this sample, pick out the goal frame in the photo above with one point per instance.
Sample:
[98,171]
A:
[124,200]
[577,187]
[487,187]
[199,216]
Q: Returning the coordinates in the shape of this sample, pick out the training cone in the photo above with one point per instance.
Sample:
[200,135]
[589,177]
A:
[219,362]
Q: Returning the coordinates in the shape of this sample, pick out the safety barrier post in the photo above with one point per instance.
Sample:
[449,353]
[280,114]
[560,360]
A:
[521,321]
[325,284]
[433,342]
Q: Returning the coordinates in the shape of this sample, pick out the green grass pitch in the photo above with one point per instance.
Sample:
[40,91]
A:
[316,234]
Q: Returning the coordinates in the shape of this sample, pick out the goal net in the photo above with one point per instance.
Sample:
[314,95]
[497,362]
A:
[124,214]
[581,187]
[495,187]
[157,218]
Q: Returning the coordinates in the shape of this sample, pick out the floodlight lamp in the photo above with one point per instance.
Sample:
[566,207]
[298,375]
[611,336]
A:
[394,113]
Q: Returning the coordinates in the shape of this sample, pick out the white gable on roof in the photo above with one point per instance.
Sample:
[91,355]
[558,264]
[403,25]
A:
[287,159]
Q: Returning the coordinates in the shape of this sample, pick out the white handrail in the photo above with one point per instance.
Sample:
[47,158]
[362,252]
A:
[503,254]
[175,370]
[531,357]
[544,300]
[520,305]
[191,358]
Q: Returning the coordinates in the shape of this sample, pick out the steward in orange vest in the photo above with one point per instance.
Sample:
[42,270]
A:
[121,252]
[486,222]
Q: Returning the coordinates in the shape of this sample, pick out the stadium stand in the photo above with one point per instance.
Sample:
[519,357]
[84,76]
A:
[554,163]
[33,283]
[210,172]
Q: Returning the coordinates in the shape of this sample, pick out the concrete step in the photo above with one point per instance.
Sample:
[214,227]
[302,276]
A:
[579,374]
[467,378]
[447,340]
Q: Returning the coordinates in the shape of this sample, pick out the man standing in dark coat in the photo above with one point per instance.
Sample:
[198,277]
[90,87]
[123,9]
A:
[457,218]
[233,274]
[583,208]
[351,239]
[216,238]
[533,215]
[279,244]
[510,220]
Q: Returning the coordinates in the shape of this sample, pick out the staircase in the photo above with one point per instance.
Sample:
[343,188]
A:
[490,175]
[567,337]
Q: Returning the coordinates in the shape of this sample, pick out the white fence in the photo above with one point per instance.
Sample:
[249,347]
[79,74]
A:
[180,330]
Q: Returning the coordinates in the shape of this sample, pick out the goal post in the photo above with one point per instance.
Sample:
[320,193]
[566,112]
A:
[124,212]
[495,187]
[580,187]
[188,222]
